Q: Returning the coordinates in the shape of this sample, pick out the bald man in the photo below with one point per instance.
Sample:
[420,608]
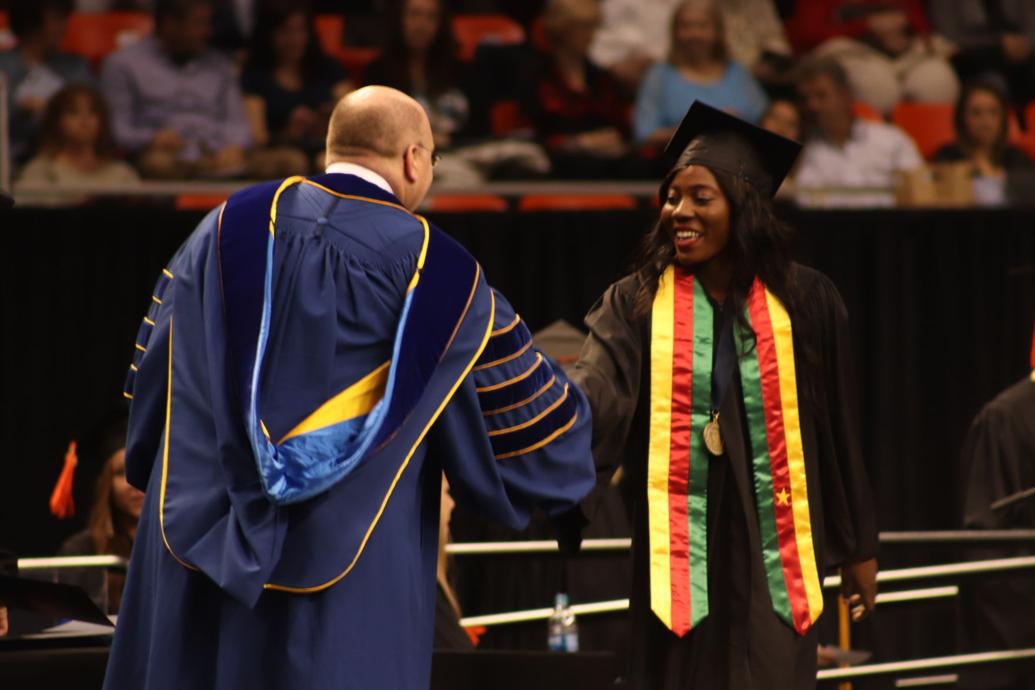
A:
[314,357]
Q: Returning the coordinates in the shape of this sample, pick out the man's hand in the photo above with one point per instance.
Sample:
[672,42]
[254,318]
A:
[34,105]
[603,143]
[167,140]
[859,587]
[229,160]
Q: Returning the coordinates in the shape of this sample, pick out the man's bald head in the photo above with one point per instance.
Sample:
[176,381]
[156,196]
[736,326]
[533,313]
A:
[376,120]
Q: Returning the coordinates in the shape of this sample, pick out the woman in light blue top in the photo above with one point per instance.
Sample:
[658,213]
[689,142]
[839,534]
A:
[697,68]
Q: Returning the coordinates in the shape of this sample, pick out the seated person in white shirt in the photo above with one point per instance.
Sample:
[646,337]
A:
[842,150]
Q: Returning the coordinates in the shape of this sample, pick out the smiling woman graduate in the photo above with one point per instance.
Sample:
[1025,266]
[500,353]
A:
[718,373]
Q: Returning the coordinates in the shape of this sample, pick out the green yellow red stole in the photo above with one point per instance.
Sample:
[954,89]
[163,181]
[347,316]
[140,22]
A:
[677,467]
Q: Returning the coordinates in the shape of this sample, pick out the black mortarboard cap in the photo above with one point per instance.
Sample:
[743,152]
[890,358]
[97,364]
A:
[717,140]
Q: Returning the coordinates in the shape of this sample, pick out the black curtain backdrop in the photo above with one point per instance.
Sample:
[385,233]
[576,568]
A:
[942,306]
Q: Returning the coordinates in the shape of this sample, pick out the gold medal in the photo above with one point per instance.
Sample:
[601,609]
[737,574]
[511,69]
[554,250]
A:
[713,437]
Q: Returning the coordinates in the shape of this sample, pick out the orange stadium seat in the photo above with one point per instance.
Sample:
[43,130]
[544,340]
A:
[330,32]
[472,29]
[464,203]
[930,124]
[577,202]
[95,36]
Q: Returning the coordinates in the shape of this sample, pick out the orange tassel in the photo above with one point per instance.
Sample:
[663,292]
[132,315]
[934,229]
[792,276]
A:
[475,633]
[61,504]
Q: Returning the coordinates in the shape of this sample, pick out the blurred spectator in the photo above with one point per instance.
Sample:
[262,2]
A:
[114,514]
[233,24]
[290,87]
[698,67]
[991,36]
[98,6]
[577,108]
[981,120]
[35,69]
[840,149]
[419,57]
[76,146]
[635,34]
[782,117]
[884,47]
[448,633]
[176,104]
[981,132]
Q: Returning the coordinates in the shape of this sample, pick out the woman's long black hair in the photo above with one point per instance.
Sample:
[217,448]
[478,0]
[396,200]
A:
[273,15]
[441,62]
[759,245]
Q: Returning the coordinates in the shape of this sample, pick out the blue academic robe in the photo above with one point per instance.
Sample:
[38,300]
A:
[314,357]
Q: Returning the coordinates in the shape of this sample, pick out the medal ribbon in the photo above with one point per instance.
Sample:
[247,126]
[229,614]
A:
[677,466]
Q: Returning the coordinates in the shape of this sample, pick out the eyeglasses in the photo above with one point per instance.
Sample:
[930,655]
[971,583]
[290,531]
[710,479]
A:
[435,156]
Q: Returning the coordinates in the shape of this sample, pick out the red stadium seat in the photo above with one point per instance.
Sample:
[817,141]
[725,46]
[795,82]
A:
[199,202]
[355,61]
[577,202]
[865,111]
[506,117]
[930,124]
[330,32]
[472,29]
[1024,139]
[464,203]
[95,36]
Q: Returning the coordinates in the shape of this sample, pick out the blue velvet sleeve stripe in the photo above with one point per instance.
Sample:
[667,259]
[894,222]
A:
[510,344]
[541,430]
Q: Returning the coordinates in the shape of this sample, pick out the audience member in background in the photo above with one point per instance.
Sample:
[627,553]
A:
[448,633]
[112,522]
[290,87]
[991,36]
[8,567]
[419,57]
[981,120]
[76,146]
[35,69]
[997,464]
[698,68]
[884,47]
[577,109]
[842,150]
[782,117]
[634,35]
[981,132]
[176,104]
[233,24]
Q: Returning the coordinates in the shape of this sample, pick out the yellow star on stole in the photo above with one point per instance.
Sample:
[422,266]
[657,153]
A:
[783,498]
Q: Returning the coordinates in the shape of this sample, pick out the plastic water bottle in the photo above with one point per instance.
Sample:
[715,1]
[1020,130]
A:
[563,635]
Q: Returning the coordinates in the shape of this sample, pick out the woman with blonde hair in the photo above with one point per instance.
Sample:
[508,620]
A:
[698,68]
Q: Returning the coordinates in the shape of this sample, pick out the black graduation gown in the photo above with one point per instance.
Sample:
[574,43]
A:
[998,461]
[741,644]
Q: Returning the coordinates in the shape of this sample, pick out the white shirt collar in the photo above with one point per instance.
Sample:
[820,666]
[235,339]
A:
[361,172]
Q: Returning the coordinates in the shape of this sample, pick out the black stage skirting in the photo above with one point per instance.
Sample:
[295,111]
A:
[942,305]
[79,665]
